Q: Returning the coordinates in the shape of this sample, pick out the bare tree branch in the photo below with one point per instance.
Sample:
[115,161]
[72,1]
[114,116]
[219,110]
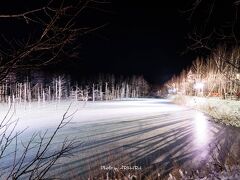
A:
[58,32]
[38,148]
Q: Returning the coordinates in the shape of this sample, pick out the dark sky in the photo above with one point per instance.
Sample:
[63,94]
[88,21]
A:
[143,38]
[140,38]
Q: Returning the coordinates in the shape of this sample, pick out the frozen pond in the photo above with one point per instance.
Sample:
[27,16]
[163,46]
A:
[144,131]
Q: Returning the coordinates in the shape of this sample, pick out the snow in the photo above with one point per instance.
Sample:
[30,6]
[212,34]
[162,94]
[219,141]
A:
[232,173]
[222,110]
[152,129]
[40,116]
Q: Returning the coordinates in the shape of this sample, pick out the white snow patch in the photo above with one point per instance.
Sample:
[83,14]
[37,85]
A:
[38,116]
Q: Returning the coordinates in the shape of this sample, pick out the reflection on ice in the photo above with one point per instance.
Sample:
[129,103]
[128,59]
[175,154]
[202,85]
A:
[201,129]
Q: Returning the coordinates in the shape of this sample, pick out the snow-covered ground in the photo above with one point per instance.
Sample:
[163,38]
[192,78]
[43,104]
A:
[40,116]
[144,131]
[222,110]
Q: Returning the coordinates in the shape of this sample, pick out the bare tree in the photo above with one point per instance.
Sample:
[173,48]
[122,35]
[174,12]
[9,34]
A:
[213,25]
[218,77]
[215,36]
[55,38]
[33,159]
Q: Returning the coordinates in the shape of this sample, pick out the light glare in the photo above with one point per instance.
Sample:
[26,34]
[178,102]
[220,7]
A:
[199,85]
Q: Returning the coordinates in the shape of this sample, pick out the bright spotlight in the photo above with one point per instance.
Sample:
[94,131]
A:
[199,85]
[238,76]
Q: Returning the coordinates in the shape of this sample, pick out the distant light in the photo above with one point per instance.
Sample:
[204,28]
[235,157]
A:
[172,91]
[199,85]
[238,76]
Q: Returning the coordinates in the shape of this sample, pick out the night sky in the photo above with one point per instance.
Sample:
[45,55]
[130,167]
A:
[140,38]
[144,38]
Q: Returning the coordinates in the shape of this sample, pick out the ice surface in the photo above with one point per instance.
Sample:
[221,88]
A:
[146,131]
[39,116]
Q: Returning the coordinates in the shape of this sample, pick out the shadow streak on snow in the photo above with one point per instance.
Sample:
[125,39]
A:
[154,142]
